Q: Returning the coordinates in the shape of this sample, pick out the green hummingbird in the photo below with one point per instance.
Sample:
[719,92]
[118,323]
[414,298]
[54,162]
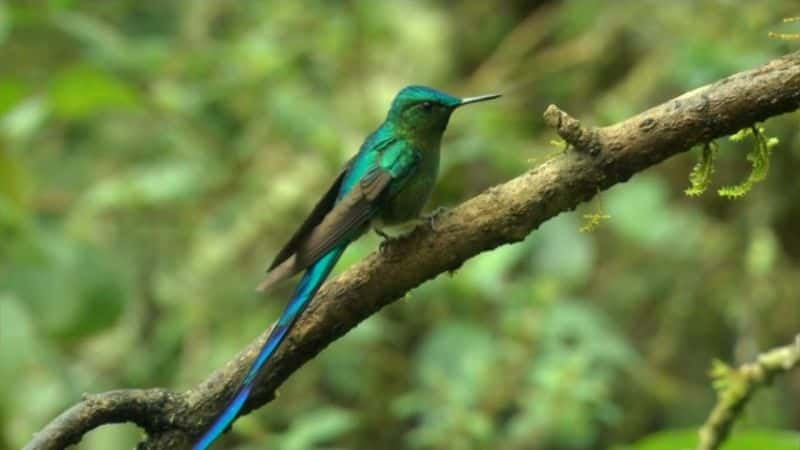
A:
[387,182]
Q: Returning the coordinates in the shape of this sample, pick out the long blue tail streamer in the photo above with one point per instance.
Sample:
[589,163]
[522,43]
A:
[308,286]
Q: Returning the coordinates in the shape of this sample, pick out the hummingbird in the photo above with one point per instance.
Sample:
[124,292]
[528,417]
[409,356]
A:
[387,182]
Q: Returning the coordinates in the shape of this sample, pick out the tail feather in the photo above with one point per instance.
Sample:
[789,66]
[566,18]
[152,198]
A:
[308,286]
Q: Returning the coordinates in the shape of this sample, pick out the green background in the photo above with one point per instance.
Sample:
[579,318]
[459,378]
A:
[154,155]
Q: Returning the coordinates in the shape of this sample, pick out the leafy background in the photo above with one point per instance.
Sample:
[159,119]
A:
[154,155]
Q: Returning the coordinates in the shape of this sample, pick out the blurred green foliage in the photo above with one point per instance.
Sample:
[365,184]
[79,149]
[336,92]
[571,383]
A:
[154,156]
[744,440]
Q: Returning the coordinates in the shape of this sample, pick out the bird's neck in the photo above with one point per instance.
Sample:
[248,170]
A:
[422,140]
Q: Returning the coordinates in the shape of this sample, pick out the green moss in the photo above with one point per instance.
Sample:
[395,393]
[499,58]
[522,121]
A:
[758,156]
[700,176]
[592,221]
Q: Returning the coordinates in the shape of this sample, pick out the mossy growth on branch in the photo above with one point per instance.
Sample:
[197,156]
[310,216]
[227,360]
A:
[592,221]
[759,155]
[787,36]
[700,176]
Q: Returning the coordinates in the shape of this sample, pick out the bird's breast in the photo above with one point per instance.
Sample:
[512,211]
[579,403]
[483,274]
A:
[408,202]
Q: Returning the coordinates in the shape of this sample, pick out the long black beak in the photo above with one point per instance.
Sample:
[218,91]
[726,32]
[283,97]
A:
[480,98]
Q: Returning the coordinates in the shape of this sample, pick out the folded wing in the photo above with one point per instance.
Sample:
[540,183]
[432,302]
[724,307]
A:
[328,224]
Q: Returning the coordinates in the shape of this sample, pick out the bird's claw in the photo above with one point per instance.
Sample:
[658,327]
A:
[381,233]
[383,247]
[427,219]
[431,218]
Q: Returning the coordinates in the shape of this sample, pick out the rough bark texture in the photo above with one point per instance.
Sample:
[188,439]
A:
[597,159]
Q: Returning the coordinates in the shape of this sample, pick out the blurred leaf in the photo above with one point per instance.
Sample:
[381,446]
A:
[145,186]
[13,227]
[315,428]
[640,211]
[762,253]
[16,332]
[36,396]
[454,374]
[562,251]
[15,190]
[12,91]
[575,327]
[72,291]
[108,45]
[178,97]
[111,436]
[35,393]
[561,402]
[5,24]
[24,119]
[739,440]
[487,272]
[15,181]
[81,92]
[459,375]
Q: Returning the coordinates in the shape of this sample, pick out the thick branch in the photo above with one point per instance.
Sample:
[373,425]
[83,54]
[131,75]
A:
[501,215]
[739,385]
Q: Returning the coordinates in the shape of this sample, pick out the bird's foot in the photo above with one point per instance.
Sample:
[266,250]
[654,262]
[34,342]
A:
[433,216]
[383,248]
[381,233]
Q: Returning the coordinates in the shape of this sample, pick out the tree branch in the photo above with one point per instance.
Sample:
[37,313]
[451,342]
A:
[737,386]
[145,408]
[503,214]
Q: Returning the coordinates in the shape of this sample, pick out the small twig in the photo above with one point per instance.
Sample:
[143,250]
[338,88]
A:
[737,385]
[571,130]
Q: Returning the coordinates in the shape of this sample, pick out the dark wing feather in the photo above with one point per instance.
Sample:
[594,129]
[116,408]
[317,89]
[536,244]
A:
[355,209]
[323,206]
[345,219]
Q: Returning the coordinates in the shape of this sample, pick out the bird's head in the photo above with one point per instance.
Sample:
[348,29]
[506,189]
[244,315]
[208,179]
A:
[424,112]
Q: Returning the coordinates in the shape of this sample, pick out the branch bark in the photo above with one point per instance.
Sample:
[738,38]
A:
[599,158]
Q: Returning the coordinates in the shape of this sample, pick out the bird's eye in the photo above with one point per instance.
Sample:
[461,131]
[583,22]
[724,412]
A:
[427,106]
